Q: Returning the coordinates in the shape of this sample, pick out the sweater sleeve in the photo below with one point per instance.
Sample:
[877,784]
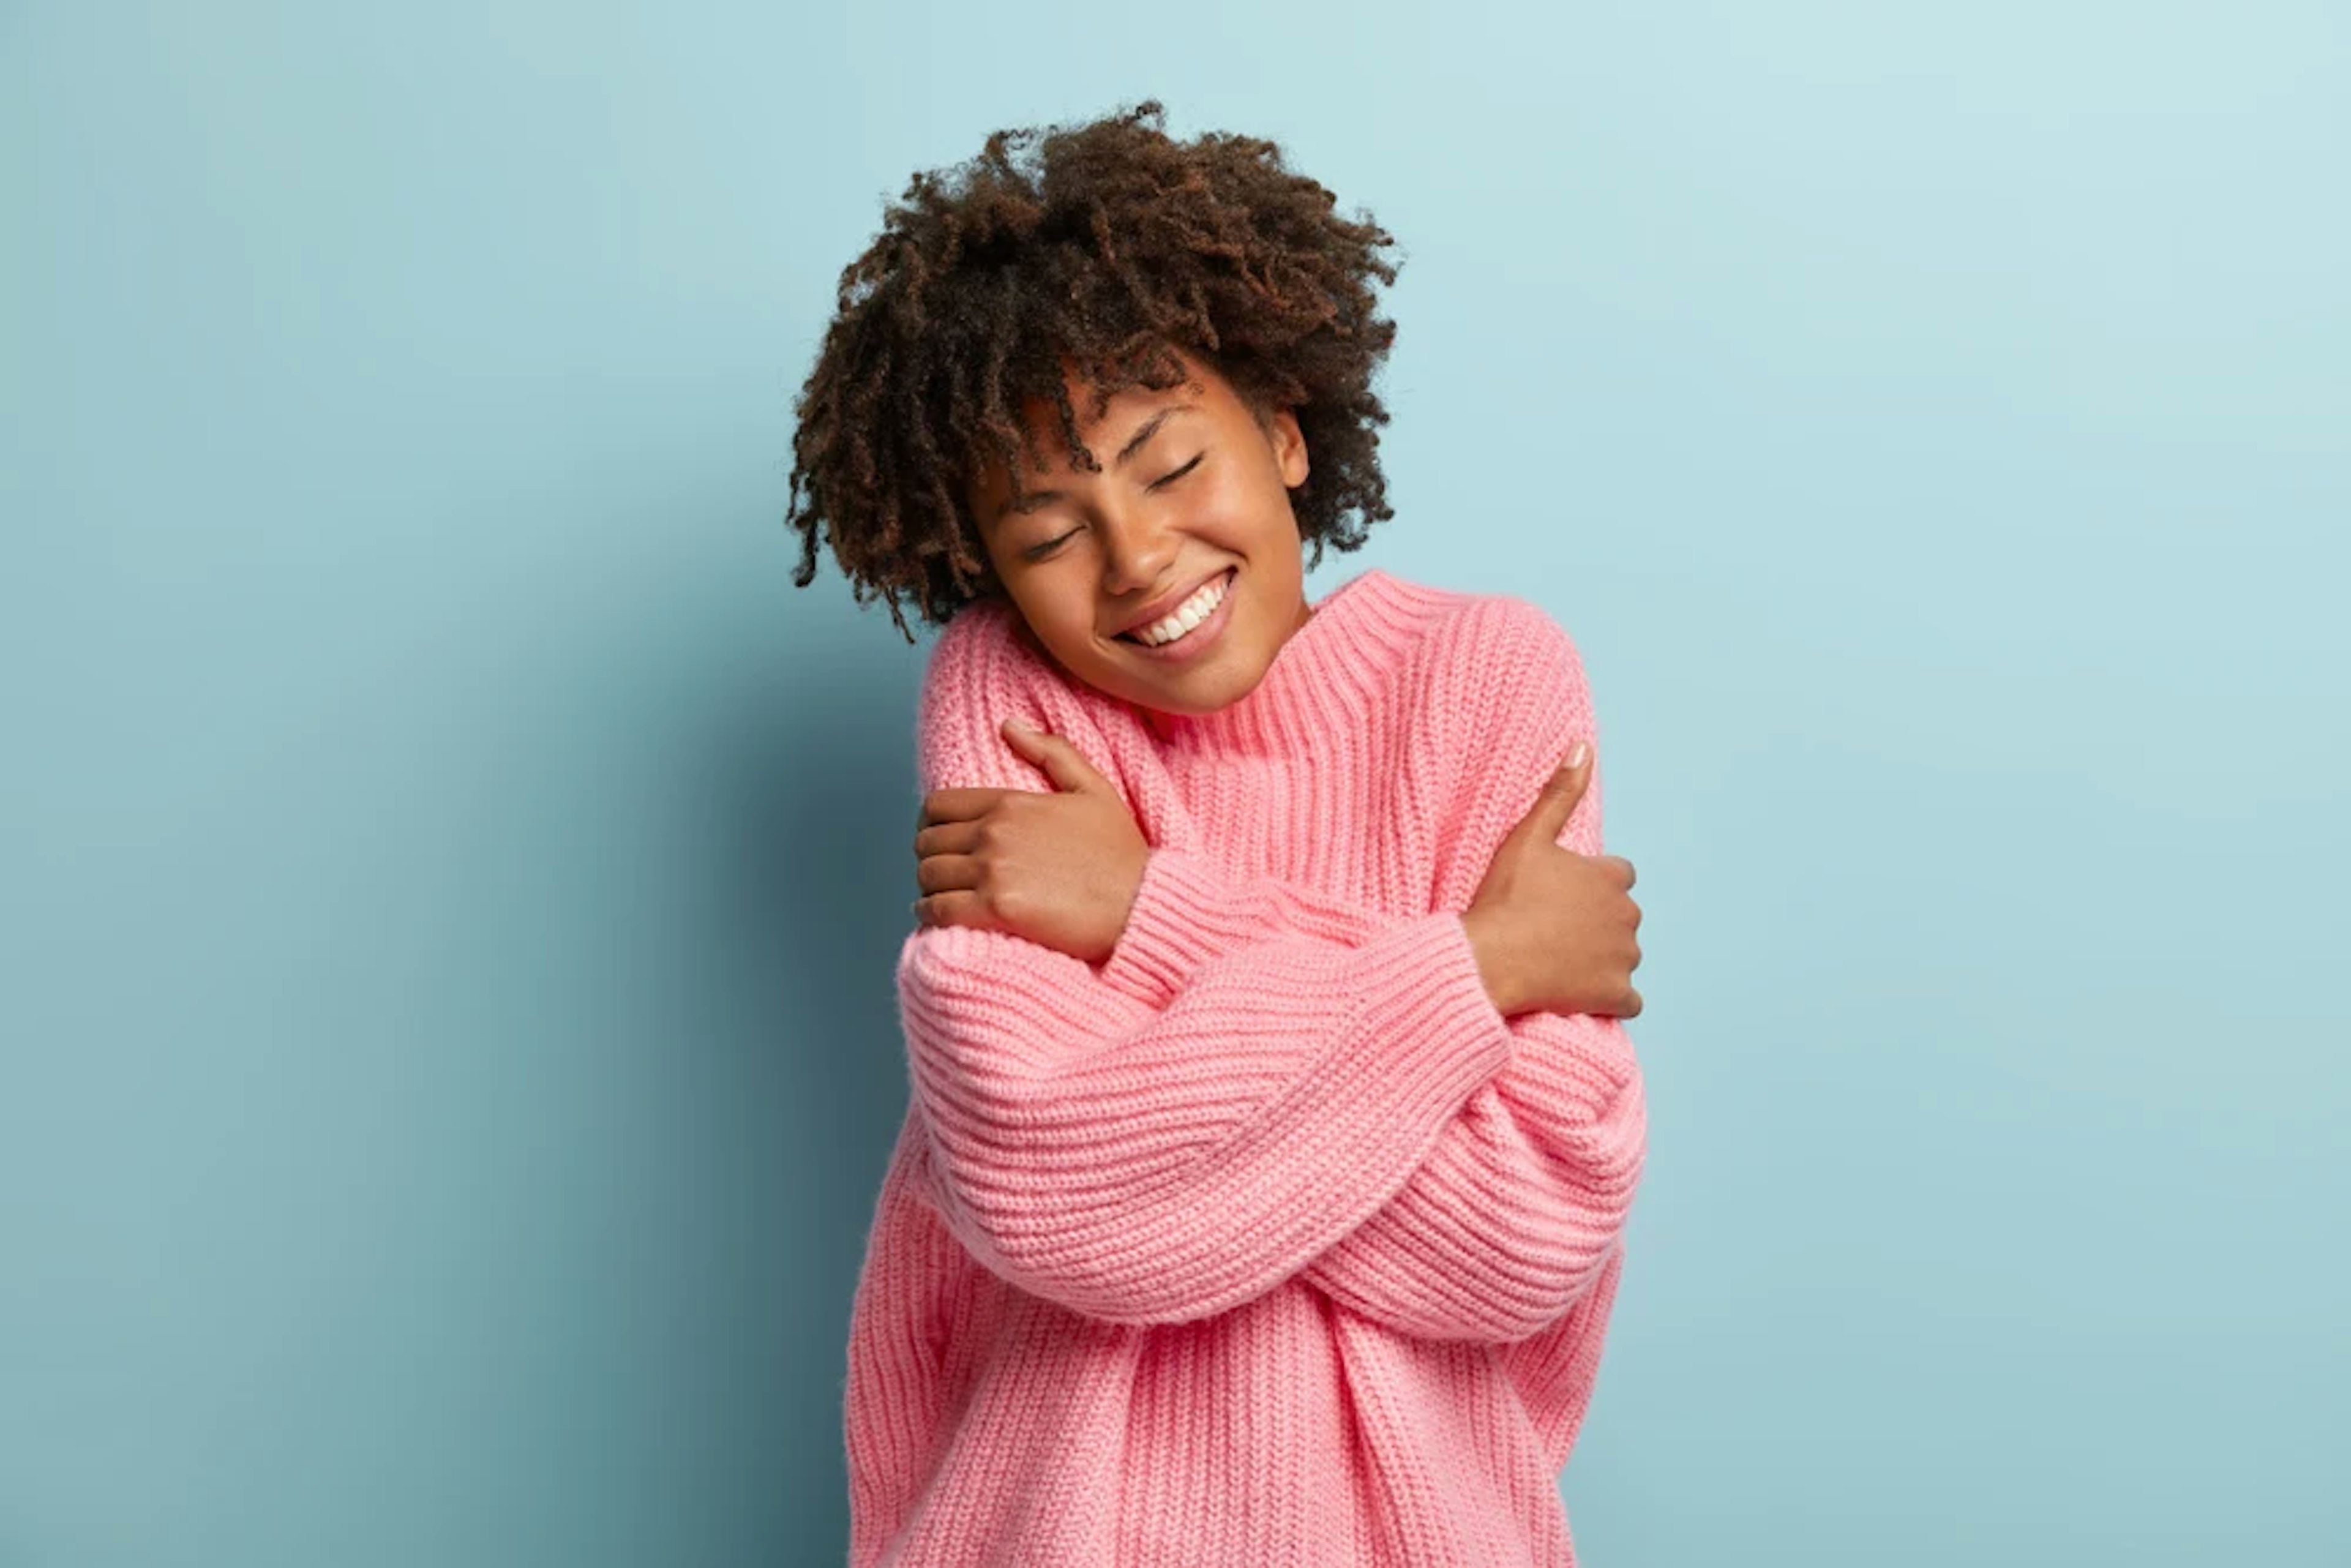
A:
[1523,1199]
[1160,1163]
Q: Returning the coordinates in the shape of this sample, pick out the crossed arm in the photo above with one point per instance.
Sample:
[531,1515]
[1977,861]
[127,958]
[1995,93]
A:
[1262,1081]
[1523,1195]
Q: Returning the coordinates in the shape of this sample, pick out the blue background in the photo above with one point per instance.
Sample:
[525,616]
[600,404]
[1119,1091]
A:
[452,879]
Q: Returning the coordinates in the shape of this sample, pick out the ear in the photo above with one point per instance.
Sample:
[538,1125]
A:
[1289,445]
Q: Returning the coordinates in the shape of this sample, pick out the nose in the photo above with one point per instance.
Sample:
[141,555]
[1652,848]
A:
[1136,554]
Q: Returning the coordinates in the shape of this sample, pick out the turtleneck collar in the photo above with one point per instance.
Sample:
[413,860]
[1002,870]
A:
[1325,676]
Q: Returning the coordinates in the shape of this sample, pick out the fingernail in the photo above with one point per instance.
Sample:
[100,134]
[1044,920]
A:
[1022,726]
[1576,758]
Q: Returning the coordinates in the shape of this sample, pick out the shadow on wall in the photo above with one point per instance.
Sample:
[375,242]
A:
[813,807]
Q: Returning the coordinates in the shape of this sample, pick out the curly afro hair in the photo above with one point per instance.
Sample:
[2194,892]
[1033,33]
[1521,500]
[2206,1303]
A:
[1114,245]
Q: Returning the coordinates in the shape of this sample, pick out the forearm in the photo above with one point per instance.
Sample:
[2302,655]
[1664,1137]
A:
[1159,1165]
[1187,911]
[1500,1227]
[1508,1222]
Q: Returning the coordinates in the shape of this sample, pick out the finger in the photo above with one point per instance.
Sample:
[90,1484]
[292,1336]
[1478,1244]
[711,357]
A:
[1064,763]
[1631,1008]
[955,908]
[1560,794]
[947,838]
[947,873]
[1619,864]
[963,804]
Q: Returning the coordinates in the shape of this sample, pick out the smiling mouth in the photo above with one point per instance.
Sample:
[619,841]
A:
[1225,577]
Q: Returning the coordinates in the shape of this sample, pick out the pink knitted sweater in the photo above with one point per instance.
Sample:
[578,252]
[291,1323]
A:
[1269,1240]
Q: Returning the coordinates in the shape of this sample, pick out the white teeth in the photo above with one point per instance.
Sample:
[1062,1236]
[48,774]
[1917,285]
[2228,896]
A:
[1188,614]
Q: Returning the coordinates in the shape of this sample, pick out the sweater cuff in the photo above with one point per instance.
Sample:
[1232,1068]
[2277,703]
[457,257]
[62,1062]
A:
[1424,1005]
[1184,914]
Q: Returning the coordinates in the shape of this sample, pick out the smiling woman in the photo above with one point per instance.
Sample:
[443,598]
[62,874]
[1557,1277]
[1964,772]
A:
[1262,1183]
[1013,300]
[1191,520]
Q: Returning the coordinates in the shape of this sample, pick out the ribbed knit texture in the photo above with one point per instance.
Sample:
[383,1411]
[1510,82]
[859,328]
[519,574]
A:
[1268,1241]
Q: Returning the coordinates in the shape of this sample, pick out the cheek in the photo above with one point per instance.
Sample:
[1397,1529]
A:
[1058,601]
[1234,506]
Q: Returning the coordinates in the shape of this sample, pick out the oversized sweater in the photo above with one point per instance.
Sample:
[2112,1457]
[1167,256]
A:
[1268,1240]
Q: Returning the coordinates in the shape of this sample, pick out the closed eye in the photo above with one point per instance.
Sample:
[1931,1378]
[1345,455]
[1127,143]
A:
[1038,552]
[1171,477]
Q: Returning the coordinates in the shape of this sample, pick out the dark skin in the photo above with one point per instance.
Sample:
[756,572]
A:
[1554,931]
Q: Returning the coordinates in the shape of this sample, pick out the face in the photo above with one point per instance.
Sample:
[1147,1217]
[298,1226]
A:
[1194,489]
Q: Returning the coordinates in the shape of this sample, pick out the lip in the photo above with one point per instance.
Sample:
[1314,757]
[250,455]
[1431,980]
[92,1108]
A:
[1197,640]
[1161,608]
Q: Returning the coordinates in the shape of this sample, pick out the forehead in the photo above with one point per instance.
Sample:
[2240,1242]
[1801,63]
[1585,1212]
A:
[1046,454]
[1043,422]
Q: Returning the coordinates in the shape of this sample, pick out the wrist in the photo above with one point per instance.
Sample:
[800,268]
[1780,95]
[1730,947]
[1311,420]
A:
[1178,918]
[1493,968]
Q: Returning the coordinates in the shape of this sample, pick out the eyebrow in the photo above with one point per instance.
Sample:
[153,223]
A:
[1134,444]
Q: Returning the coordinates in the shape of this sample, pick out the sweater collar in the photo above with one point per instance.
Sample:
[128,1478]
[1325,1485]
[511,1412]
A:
[1324,678]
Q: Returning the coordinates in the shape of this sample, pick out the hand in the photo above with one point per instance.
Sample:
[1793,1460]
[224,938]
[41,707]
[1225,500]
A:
[1061,869]
[1555,930]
